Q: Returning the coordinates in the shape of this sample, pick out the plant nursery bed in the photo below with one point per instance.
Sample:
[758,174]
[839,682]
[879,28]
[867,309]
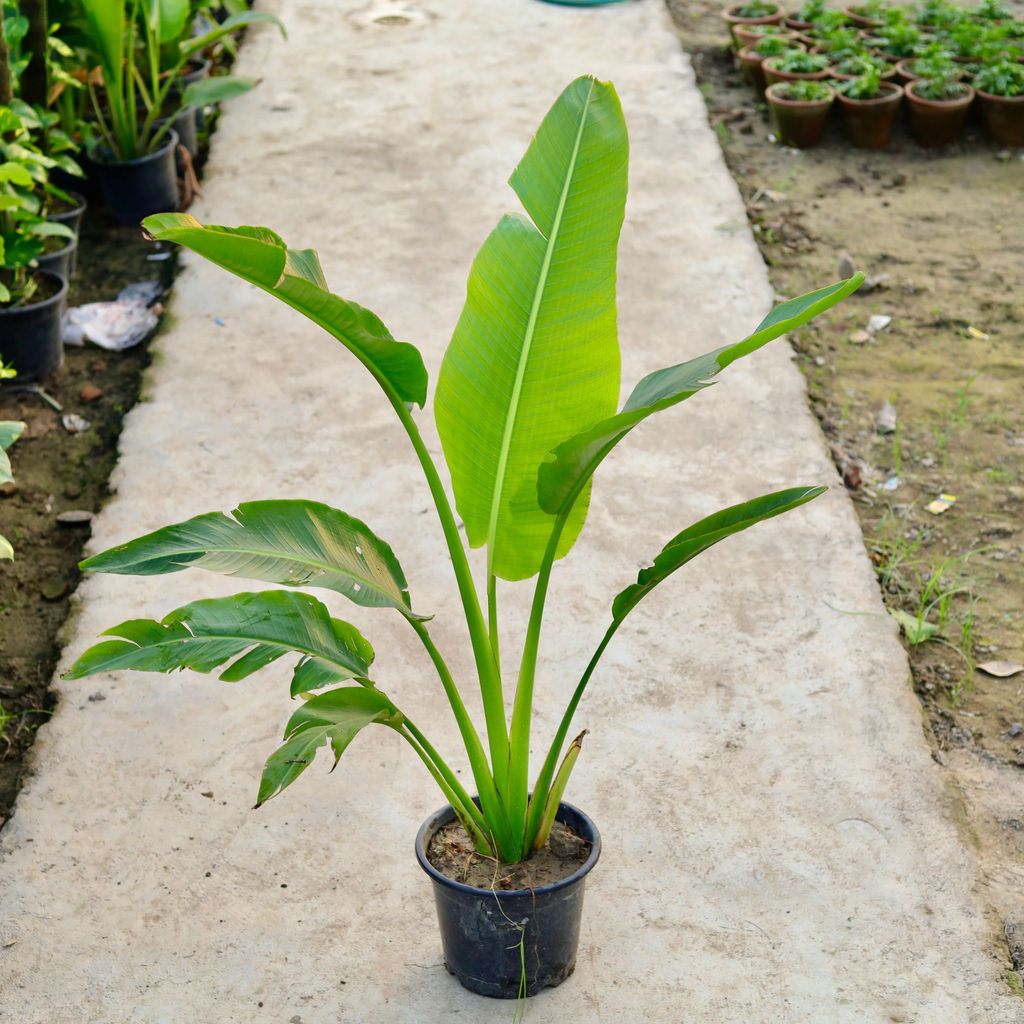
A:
[927,405]
[58,472]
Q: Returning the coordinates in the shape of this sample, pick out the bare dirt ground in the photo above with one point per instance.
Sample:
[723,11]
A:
[943,231]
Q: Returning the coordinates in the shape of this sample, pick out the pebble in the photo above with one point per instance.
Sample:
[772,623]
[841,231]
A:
[885,419]
[90,392]
[1015,730]
[75,517]
[74,424]
[53,588]
[860,338]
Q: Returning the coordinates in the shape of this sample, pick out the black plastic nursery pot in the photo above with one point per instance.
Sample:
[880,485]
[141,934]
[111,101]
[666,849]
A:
[134,189]
[31,337]
[71,217]
[62,261]
[494,940]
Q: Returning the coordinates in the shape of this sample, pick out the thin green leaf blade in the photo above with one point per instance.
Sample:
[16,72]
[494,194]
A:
[335,717]
[534,357]
[215,90]
[572,463]
[203,635]
[290,542]
[704,534]
[226,28]
[261,257]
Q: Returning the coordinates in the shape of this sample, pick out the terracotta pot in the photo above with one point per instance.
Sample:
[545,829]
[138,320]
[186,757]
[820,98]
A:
[797,25]
[937,122]
[751,70]
[903,73]
[869,123]
[774,76]
[745,37]
[796,122]
[860,20]
[732,19]
[1003,117]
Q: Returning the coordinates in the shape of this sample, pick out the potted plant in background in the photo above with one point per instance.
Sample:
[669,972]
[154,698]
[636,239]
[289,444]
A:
[1000,91]
[938,105]
[753,12]
[869,108]
[751,58]
[799,110]
[870,14]
[805,17]
[526,411]
[796,66]
[855,65]
[137,103]
[748,35]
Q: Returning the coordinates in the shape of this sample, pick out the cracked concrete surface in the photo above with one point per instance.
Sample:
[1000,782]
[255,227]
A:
[777,844]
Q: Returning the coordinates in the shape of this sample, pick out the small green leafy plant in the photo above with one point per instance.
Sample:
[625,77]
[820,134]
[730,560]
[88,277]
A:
[1003,79]
[858,64]
[756,9]
[143,48]
[810,11]
[803,92]
[771,46]
[799,62]
[526,409]
[866,86]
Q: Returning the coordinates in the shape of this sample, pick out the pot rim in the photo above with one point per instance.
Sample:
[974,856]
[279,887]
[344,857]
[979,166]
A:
[33,307]
[1013,100]
[799,104]
[964,100]
[446,814]
[171,143]
[765,19]
[895,92]
[81,204]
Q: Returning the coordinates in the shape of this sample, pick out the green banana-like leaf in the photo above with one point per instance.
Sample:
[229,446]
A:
[106,21]
[535,356]
[252,629]
[561,478]
[10,431]
[259,256]
[6,550]
[215,90]
[703,535]
[291,542]
[166,18]
[226,28]
[335,717]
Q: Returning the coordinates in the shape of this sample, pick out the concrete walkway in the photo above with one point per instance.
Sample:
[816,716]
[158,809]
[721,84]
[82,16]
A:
[778,848]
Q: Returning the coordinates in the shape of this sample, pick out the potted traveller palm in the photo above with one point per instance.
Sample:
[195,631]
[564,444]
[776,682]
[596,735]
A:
[140,98]
[526,407]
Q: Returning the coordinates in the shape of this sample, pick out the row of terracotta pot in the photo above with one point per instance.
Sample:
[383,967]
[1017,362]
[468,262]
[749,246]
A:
[869,123]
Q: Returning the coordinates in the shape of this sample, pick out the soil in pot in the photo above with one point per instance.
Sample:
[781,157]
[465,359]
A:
[134,189]
[798,122]
[69,215]
[1003,117]
[499,941]
[937,122]
[31,336]
[869,122]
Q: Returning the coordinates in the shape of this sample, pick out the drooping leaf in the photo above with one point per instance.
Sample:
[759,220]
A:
[535,356]
[215,90]
[571,464]
[917,631]
[253,629]
[229,25]
[10,431]
[705,533]
[335,717]
[259,256]
[291,542]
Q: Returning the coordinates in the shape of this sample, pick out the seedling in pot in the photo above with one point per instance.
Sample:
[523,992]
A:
[526,411]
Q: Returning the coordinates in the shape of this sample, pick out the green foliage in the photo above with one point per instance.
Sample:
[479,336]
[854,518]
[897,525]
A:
[772,46]
[866,86]
[1005,78]
[803,92]
[10,431]
[756,9]
[841,42]
[800,62]
[859,65]
[526,410]
[810,11]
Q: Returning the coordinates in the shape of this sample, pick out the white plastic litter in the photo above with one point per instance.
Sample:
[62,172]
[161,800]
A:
[116,325]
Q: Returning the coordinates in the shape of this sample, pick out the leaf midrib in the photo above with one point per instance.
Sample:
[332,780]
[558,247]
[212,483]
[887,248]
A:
[531,324]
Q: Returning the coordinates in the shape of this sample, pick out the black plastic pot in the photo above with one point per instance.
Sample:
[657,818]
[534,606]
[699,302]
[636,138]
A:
[186,124]
[198,70]
[487,935]
[72,218]
[31,337]
[135,189]
[61,262]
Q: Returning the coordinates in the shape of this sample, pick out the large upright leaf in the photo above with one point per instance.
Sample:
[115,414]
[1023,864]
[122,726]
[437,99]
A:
[335,717]
[166,19]
[10,431]
[705,533]
[259,256]
[253,629]
[294,542]
[562,477]
[535,356]
[107,23]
